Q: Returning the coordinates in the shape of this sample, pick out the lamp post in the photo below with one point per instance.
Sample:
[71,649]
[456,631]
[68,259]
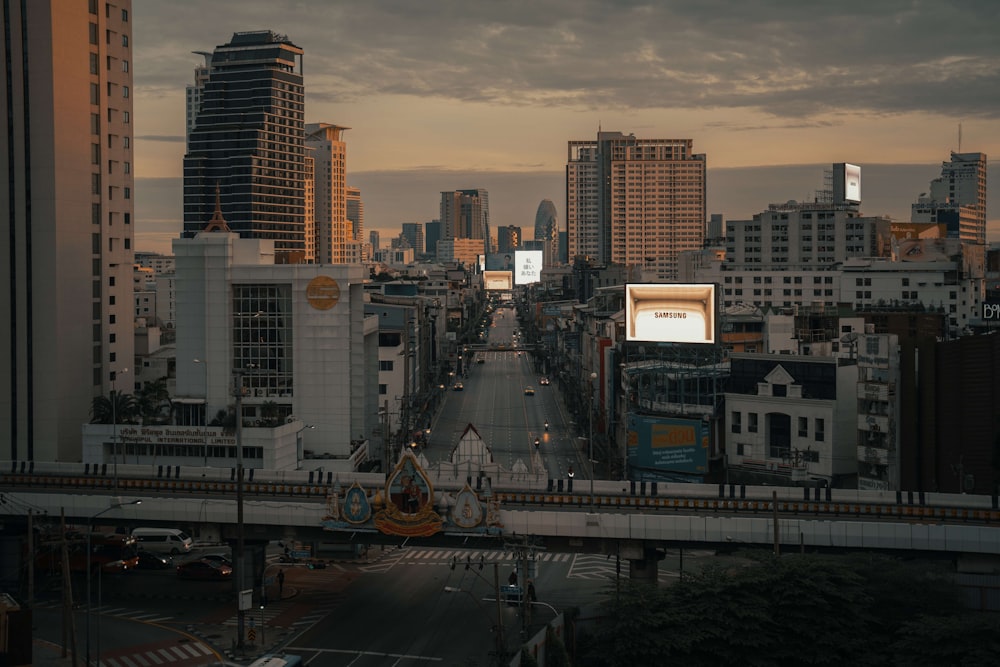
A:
[114,425]
[90,530]
[238,560]
[590,440]
[204,411]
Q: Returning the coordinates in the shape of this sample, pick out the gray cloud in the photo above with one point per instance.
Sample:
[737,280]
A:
[793,59]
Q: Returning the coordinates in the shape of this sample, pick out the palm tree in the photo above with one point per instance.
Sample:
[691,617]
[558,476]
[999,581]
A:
[154,402]
[119,408]
[270,414]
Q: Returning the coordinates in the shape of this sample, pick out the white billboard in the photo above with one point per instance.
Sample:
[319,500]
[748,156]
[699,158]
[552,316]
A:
[668,313]
[497,280]
[527,266]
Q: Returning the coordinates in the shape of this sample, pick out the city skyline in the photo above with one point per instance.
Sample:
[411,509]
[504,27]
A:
[493,99]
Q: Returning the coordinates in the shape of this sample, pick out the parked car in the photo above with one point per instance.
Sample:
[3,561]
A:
[204,570]
[154,561]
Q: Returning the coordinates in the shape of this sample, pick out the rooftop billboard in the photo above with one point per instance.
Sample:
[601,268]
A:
[497,280]
[658,443]
[668,313]
[527,266]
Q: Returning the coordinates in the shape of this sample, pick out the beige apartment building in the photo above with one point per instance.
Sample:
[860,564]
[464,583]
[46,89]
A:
[66,301]
[635,202]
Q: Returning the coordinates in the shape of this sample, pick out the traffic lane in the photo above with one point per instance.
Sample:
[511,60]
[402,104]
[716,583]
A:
[404,617]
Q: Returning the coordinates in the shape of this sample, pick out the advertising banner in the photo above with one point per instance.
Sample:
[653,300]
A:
[660,443]
[668,313]
[527,267]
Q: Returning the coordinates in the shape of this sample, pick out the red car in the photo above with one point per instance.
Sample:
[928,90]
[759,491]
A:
[204,570]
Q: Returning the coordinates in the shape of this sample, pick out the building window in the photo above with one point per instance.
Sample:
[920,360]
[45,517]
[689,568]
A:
[124,91]
[382,390]
[125,41]
[128,193]
[93,33]
[820,429]
[736,422]
[779,390]
[124,16]
[803,427]
[742,449]
[124,65]
[385,365]
[752,422]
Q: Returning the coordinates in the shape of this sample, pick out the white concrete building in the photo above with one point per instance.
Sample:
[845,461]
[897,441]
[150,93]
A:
[294,338]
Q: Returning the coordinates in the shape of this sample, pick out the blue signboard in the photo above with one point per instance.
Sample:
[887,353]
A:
[660,443]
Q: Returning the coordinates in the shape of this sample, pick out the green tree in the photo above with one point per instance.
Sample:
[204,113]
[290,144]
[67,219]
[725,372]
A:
[118,408]
[154,404]
[270,413]
[802,609]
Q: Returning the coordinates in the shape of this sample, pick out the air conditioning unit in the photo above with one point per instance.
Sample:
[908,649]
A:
[259,391]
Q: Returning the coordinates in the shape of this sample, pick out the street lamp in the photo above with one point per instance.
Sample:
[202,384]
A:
[90,530]
[204,411]
[114,425]
[590,440]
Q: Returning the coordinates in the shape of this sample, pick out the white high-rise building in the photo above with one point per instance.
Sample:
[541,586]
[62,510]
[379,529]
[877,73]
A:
[66,296]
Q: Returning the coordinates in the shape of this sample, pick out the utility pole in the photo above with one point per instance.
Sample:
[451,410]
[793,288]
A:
[777,535]
[239,556]
[69,624]
[501,644]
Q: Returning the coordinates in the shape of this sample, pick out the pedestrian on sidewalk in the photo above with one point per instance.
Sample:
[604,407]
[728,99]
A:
[281,582]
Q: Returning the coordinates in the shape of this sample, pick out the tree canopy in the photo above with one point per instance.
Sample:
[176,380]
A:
[795,610]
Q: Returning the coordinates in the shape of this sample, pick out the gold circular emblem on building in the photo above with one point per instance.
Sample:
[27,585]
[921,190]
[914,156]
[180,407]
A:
[322,293]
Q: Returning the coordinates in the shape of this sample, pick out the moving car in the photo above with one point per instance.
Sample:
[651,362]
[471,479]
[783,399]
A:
[543,381]
[163,540]
[218,558]
[154,561]
[204,570]
[458,386]
[529,391]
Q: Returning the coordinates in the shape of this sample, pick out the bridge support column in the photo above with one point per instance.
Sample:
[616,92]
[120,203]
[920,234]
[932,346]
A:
[643,561]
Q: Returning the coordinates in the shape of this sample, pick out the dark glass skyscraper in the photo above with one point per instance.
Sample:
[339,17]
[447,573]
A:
[248,139]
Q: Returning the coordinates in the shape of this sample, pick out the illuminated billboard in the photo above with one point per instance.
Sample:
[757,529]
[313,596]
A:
[497,280]
[527,266]
[667,313]
[675,445]
[503,261]
[846,183]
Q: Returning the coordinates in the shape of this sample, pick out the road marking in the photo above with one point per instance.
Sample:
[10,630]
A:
[398,656]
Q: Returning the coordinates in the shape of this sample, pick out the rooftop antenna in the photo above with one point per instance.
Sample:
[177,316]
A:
[959,137]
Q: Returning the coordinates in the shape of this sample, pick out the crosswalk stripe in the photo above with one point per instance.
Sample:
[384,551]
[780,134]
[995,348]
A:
[178,652]
[166,654]
[127,662]
[153,657]
[141,660]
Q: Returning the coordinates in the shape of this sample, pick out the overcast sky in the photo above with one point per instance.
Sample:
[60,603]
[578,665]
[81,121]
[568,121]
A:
[450,94]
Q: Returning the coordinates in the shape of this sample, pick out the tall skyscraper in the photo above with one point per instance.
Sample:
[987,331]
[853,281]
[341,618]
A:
[465,214]
[356,213]
[66,298]
[374,239]
[193,93]
[249,141]
[432,234]
[635,202]
[508,238]
[333,230]
[413,232]
[547,231]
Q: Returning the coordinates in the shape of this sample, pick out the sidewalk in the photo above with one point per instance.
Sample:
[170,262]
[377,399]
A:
[221,637]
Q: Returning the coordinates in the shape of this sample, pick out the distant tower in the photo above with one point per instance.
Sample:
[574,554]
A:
[547,231]
[465,214]
[238,143]
[432,234]
[508,238]
[635,202]
[356,213]
[373,238]
[413,232]
[333,230]
[193,93]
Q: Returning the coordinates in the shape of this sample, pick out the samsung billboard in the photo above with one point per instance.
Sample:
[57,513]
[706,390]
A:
[668,313]
[497,280]
[668,445]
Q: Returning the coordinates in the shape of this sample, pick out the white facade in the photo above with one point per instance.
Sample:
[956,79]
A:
[333,229]
[295,335]
[878,411]
[819,443]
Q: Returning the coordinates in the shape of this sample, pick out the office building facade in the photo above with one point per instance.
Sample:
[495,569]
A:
[66,298]
[332,228]
[635,202]
[355,213]
[465,214]
[248,144]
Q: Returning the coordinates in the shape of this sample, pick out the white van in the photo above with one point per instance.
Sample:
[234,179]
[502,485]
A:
[163,540]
